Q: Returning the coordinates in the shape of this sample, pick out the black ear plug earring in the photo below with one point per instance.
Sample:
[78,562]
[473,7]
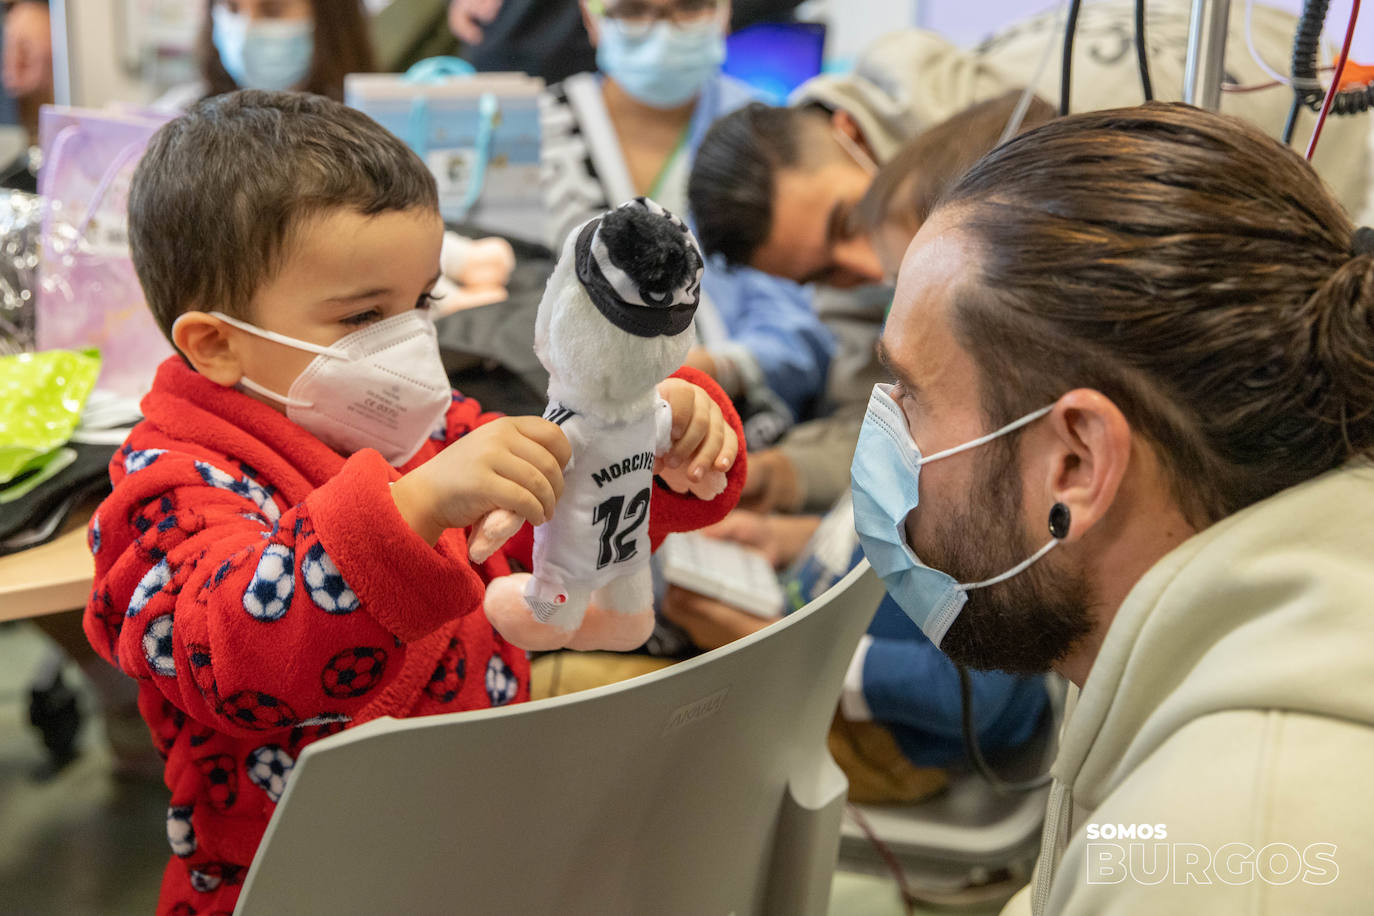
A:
[1059,521]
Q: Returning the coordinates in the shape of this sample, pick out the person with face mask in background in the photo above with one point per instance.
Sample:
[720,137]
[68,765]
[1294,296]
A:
[547,39]
[632,129]
[307,45]
[1130,441]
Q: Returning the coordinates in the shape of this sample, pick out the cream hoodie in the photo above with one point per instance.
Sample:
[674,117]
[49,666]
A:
[1232,703]
[911,80]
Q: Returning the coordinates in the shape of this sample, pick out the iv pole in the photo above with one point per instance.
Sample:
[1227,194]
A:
[1205,64]
[61,53]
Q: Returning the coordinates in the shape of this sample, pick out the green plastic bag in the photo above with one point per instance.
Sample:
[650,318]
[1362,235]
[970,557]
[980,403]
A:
[41,397]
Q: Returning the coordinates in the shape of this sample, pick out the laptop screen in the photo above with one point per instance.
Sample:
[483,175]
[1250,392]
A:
[776,57]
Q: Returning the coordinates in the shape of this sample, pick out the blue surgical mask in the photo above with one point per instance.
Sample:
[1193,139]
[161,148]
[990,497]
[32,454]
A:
[885,480]
[267,54]
[667,65]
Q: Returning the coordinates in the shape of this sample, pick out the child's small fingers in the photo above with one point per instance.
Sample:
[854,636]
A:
[549,435]
[679,397]
[708,450]
[686,444]
[509,495]
[543,460]
[729,450]
[529,479]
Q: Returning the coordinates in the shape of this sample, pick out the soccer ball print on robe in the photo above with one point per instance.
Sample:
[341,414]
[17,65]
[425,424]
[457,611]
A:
[325,584]
[353,672]
[153,581]
[221,780]
[136,460]
[243,486]
[163,524]
[502,685]
[181,836]
[157,646]
[269,593]
[268,768]
[449,674]
[258,711]
[201,672]
[209,877]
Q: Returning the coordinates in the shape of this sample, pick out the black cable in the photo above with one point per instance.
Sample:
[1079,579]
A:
[1306,58]
[1141,55]
[1290,125]
[1306,48]
[975,753]
[1066,69]
[909,899]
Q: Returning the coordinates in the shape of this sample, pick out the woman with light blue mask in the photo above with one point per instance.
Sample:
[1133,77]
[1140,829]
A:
[309,45]
[658,89]
[632,129]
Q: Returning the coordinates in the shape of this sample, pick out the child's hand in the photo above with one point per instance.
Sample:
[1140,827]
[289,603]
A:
[702,441]
[514,463]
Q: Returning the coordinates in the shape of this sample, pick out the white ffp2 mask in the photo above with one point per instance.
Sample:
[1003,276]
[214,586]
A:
[381,387]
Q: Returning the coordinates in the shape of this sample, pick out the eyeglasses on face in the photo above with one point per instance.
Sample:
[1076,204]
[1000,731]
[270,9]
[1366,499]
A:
[636,17]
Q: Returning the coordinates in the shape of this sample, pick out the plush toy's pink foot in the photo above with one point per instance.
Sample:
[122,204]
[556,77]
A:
[602,629]
[510,616]
[711,485]
[491,531]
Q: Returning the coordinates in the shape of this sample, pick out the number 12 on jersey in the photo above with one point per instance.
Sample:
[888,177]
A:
[618,526]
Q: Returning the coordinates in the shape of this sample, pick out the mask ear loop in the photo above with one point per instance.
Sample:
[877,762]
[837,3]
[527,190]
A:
[1015,570]
[1060,521]
[266,392]
[275,338]
[863,159]
[983,440]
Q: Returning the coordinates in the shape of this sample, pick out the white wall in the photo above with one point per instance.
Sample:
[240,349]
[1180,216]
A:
[97,44]
[967,22]
[853,25]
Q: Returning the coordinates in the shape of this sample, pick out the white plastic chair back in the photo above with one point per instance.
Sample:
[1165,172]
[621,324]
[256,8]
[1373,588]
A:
[705,788]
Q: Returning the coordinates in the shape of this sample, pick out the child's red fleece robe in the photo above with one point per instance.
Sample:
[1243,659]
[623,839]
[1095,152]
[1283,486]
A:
[266,592]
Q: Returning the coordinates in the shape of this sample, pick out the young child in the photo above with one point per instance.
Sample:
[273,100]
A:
[283,555]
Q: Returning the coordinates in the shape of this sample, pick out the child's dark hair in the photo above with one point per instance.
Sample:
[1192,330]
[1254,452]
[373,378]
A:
[220,190]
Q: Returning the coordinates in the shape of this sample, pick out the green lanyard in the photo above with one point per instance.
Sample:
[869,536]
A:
[657,184]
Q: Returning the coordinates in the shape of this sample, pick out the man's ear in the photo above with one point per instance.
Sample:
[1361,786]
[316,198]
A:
[205,342]
[1092,450]
[590,24]
[844,122]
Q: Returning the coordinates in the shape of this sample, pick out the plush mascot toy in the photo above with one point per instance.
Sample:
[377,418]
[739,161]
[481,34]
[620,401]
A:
[615,320]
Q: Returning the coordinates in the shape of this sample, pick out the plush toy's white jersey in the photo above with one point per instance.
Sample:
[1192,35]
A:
[600,530]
